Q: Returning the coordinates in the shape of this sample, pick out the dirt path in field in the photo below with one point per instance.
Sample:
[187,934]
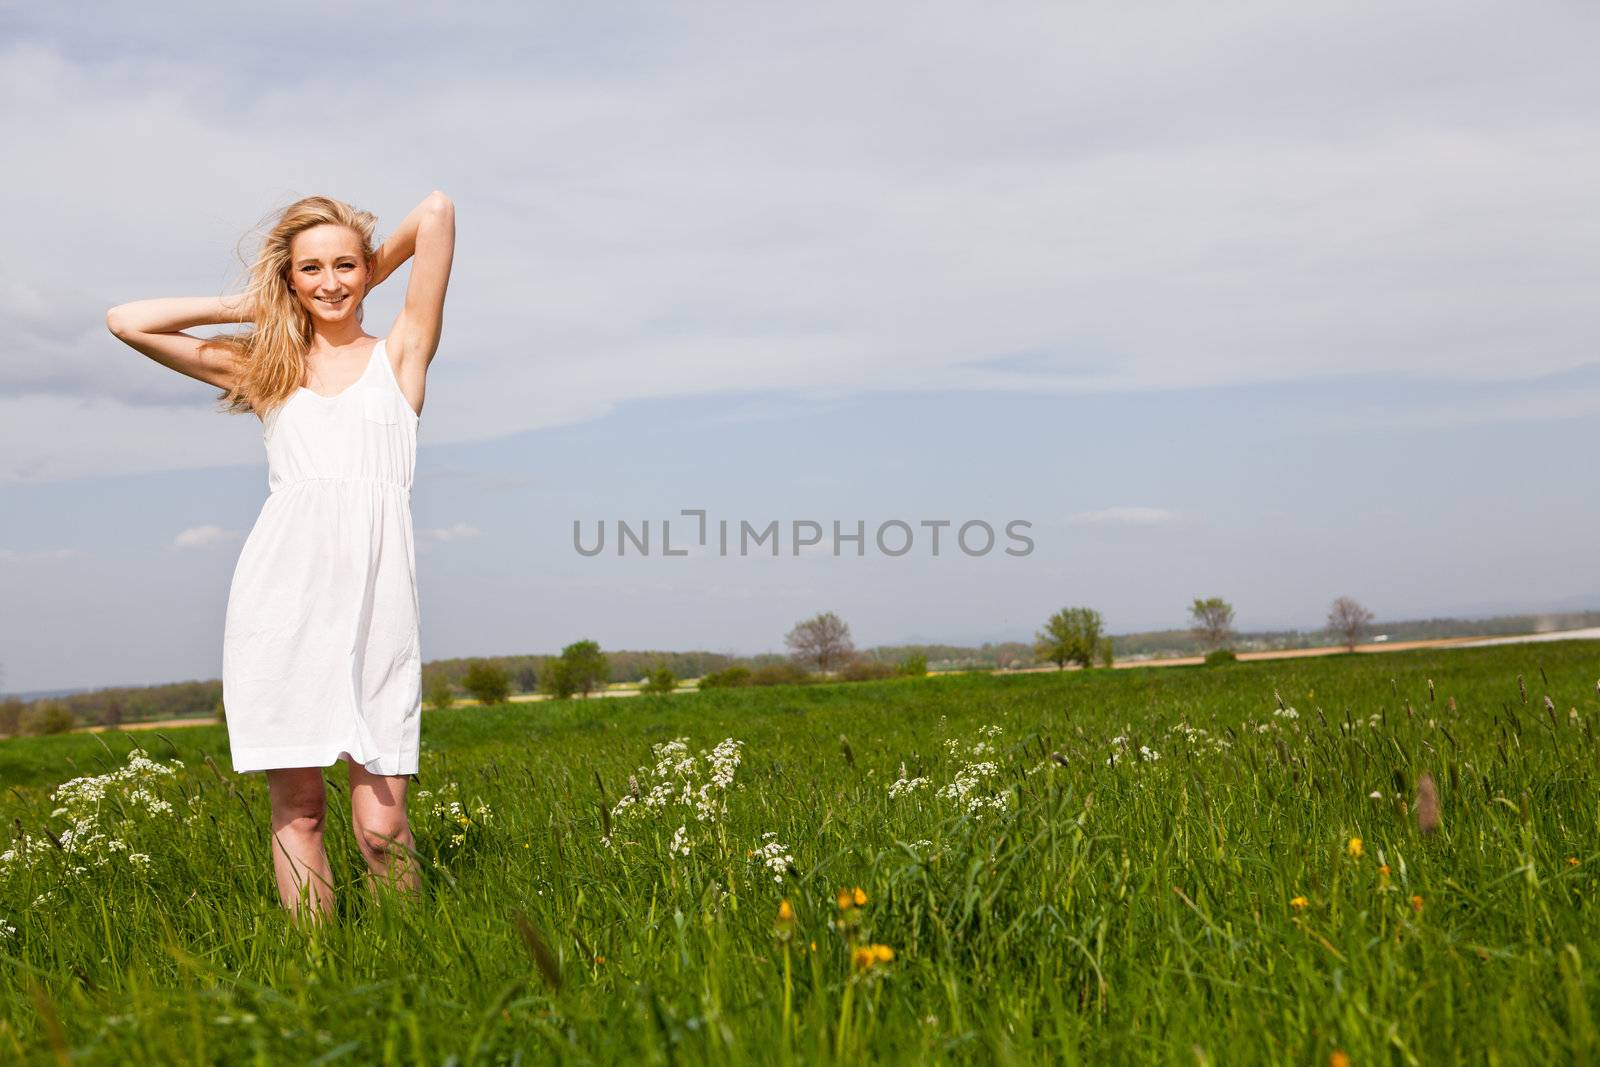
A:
[1590,634]
[154,724]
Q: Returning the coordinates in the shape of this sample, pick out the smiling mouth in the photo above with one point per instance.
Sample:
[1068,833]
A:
[331,302]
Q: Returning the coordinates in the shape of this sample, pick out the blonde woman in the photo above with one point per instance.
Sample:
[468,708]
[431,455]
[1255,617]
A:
[321,647]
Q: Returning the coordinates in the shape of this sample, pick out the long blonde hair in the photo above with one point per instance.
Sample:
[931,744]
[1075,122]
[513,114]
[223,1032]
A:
[271,357]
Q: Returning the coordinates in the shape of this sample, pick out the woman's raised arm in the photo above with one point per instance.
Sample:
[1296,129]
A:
[155,327]
[428,233]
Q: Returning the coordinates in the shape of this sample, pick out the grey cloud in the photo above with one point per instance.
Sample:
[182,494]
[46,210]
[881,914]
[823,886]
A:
[1039,199]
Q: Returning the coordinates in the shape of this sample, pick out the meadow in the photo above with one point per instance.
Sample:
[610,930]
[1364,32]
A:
[1359,859]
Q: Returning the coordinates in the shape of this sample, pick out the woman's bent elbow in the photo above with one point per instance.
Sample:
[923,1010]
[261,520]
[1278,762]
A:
[115,322]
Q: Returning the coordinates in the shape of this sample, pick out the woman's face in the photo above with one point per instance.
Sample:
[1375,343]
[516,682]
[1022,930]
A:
[328,272]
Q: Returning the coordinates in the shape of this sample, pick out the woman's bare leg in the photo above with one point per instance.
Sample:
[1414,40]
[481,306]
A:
[299,804]
[378,812]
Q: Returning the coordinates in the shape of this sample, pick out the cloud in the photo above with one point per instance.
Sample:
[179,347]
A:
[1125,516]
[1506,406]
[11,555]
[963,203]
[459,531]
[203,537]
[488,480]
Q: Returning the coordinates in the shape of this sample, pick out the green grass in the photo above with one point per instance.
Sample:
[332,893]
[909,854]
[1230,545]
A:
[1138,911]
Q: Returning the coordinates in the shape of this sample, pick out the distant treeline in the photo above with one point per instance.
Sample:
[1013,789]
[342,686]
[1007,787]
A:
[178,700]
[625,666]
[109,707]
[1158,644]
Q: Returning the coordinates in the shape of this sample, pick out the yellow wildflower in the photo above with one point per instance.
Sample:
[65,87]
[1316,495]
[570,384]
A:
[1299,903]
[860,898]
[1354,848]
[1416,904]
[864,957]
[845,900]
[1384,870]
[783,922]
[1339,1058]
[1572,861]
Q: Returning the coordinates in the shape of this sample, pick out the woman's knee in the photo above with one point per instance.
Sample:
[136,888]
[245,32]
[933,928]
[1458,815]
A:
[299,803]
[382,837]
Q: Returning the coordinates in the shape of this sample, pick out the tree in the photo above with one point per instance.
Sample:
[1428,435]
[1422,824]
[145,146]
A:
[914,665]
[1212,621]
[1108,653]
[583,668]
[823,640]
[1348,618]
[1071,635]
[659,682]
[487,682]
[527,680]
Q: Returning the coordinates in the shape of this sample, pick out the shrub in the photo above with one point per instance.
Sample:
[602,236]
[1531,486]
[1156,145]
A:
[11,715]
[865,669]
[1220,656]
[557,681]
[440,693]
[486,682]
[727,678]
[49,717]
[780,674]
[659,682]
[914,666]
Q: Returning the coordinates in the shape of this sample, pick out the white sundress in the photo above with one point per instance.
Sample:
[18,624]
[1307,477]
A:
[321,652]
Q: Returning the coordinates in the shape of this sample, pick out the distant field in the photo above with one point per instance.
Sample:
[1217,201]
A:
[1144,865]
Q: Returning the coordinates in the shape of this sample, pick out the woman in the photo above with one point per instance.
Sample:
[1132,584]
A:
[321,648]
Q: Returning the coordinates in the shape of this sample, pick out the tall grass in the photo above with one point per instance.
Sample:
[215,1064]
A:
[1135,866]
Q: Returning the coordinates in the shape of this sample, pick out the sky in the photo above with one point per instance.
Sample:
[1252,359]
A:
[1273,302]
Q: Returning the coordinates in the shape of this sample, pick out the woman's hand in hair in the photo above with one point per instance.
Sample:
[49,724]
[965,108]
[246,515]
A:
[401,245]
[384,262]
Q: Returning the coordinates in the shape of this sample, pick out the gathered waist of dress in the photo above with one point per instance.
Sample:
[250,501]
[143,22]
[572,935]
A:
[379,482]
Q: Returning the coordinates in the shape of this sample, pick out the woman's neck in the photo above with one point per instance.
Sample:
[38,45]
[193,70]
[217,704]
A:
[324,342]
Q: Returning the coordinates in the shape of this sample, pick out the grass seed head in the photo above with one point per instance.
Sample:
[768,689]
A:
[1428,819]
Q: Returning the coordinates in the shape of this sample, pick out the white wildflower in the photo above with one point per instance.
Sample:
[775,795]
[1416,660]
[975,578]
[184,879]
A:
[774,856]
[683,780]
[906,786]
